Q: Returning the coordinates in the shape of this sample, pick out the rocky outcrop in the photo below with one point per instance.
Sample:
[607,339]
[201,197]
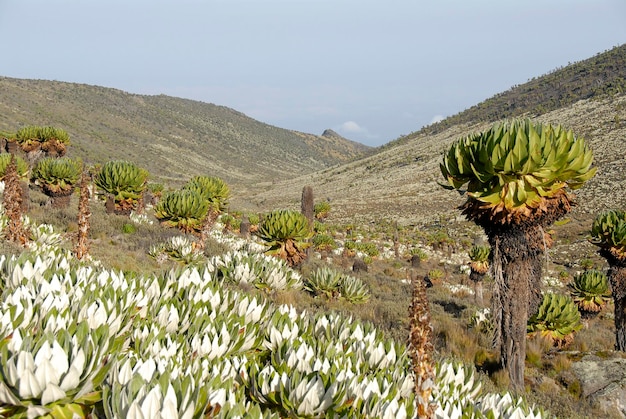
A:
[603,383]
[329,133]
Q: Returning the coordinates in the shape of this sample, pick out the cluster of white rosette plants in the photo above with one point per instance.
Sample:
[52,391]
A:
[78,340]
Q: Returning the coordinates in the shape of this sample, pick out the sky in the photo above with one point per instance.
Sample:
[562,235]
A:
[370,70]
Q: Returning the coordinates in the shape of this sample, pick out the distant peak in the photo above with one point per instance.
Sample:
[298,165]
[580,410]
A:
[330,133]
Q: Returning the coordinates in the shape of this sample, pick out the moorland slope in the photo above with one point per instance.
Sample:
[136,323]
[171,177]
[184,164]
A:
[172,138]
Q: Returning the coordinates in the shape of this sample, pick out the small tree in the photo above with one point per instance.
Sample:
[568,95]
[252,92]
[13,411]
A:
[590,291]
[608,231]
[57,178]
[516,176]
[216,194]
[125,181]
[287,232]
[184,209]
[479,266]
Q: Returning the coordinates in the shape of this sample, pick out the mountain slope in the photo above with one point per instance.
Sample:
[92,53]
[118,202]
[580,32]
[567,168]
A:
[597,77]
[171,137]
[400,181]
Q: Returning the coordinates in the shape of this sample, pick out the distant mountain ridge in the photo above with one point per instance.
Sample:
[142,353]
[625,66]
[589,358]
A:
[268,166]
[173,138]
[597,77]
[400,181]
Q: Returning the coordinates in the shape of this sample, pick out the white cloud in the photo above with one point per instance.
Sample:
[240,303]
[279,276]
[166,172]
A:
[352,127]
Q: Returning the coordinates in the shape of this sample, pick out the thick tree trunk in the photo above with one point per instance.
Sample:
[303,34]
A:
[477,278]
[516,259]
[308,204]
[620,324]
[518,243]
[617,278]
[514,300]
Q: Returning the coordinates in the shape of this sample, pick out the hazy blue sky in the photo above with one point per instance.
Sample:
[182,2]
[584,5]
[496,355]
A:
[371,70]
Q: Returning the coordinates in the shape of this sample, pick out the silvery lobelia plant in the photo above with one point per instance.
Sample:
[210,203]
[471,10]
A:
[178,248]
[333,284]
[190,345]
[53,375]
[262,271]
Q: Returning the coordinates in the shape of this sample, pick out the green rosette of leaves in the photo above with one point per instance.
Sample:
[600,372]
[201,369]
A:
[57,176]
[184,209]
[608,231]
[213,189]
[287,233]
[512,169]
[479,257]
[123,179]
[558,319]
[590,291]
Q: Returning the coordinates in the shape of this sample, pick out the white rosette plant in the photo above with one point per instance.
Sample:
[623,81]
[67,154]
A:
[56,375]
[262,271]
[180,344]
[140,391]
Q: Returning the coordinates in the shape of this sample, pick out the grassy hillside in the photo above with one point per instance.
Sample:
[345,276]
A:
[173,138]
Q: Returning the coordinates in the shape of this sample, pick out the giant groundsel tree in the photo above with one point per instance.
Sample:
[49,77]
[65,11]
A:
[608,231]
[125,181]
[517,174]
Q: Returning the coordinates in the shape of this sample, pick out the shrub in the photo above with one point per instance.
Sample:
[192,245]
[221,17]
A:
[558,319]
[287,233]
[321,210]
[590,291]
[213,189]
[324,242]
[57,176]
[183,209]
[125,181]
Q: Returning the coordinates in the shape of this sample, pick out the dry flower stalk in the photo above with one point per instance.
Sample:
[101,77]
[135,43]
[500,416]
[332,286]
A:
[421,347]
[82,239]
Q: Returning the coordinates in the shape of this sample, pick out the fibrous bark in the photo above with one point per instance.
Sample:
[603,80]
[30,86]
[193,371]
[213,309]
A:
[15,231]
[516,259]
[617,279]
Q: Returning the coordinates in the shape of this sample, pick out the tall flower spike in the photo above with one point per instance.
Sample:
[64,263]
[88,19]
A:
[82,244]
[421,347]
